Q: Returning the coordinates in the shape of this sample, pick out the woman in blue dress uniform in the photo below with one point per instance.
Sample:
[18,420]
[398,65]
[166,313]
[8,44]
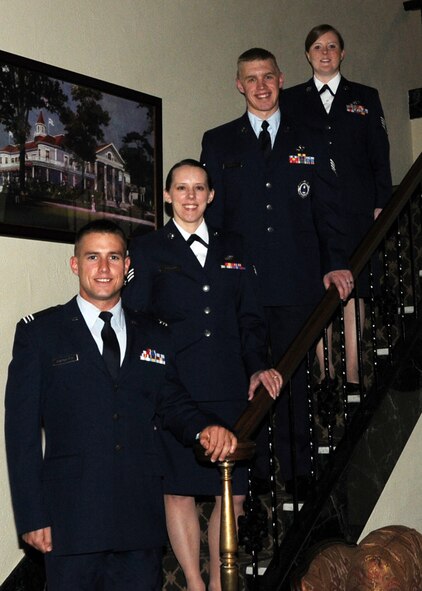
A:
[196,279]
[352,120]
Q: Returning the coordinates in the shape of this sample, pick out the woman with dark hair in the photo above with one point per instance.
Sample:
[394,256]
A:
[197,280]
[350,117]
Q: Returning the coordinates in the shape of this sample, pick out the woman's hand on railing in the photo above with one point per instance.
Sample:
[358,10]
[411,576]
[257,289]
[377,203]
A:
[218,442]
[270,378]
[342,279]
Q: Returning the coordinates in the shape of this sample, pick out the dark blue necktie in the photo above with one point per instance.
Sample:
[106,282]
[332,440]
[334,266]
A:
[265,139]
[111,349]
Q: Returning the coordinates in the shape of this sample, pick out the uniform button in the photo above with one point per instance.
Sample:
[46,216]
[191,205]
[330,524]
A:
[270,229]
[269,207]
[118,447]
[116,416]
[330,143]
[206,288]
[328,127]
[268,185]
[207,332]
[207,310]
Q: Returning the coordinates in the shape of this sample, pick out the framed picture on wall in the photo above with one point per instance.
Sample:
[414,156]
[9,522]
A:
[74,149]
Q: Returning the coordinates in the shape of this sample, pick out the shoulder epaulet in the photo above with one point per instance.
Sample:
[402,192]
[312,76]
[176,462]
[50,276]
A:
[31,317]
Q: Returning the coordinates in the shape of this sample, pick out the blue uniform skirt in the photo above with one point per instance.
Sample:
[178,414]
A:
[184,474]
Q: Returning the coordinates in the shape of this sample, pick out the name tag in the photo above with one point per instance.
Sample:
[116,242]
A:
[227,165]
[72,358]
[169,268]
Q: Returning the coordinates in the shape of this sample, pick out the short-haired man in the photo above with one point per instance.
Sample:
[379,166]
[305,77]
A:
[275,186]
[93,376]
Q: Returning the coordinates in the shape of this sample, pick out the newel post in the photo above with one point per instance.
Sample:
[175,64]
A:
[228,534]
[228,526]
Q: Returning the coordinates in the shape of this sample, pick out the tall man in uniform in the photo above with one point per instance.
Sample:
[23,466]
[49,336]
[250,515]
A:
[275,186]
[93,376]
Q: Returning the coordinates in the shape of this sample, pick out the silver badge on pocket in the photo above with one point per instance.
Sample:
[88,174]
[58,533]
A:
[303,189]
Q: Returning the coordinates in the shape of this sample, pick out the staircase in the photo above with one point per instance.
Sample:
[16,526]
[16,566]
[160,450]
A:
[356,451]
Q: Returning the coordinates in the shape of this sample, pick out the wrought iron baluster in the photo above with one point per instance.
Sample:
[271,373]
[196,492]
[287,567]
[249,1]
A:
[373,319]
[343,387]
[273,484]
[400,277]
[359,338]
[311,415]
[293,448]
[389,300]
[412,257]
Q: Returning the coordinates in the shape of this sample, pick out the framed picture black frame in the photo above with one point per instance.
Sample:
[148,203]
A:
[73,149]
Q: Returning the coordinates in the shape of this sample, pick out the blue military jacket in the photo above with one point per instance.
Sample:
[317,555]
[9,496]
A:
[98,482]
[287,208]
[213,312]
[356,137]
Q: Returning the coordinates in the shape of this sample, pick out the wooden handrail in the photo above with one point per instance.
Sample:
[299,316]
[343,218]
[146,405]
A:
[262,402]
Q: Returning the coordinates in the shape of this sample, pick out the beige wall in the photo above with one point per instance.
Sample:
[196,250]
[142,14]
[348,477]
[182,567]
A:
[416,134]
[185,51]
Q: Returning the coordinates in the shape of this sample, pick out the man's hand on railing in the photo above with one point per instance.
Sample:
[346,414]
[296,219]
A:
[377,211]
[342,279]
[218,442]
[270,378]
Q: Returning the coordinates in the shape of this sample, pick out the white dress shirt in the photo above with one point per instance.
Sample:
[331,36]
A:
[326,97]
[199,250]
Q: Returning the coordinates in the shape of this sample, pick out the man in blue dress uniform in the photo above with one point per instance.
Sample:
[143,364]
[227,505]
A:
[275,186]
[92,377]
